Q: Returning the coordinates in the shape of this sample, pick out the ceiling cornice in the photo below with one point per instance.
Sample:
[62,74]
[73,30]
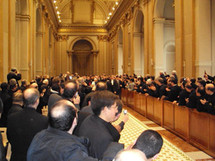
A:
[53,16]
[121,10]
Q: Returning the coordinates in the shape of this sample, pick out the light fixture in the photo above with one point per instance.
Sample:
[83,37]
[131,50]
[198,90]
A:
[105,21]
[108,18]
[59,20]
[59,17]
[116,3]
[110,13]
[54,1]
[58,12]
[113,8]
[56,7]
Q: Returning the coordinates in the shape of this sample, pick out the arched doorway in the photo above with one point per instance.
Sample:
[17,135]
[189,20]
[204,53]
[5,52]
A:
[139,44]
[82,57]
[120,52]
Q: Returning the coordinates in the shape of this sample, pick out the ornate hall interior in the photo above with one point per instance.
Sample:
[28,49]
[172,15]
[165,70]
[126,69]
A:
[96,37]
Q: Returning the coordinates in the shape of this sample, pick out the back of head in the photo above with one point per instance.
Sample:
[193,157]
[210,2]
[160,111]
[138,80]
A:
[101,99]
[12,83]
[4,86]
[130,155]
[18,97]
[150,143]
[70,89]
[62,115]
[173,80]
[100,86]
[13,70]
[30,95]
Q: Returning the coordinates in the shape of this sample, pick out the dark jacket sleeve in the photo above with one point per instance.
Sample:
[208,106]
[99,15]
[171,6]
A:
[2,150]
[112,150]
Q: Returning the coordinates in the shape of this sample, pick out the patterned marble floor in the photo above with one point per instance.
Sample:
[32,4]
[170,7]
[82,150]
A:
[174,147]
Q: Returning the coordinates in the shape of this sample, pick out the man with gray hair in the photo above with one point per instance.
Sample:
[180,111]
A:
[23,125]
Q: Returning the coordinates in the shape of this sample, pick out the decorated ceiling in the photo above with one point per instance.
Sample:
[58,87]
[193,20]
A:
[84,12]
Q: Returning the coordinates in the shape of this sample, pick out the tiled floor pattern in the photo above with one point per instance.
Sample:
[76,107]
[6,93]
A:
[133,128]
[190,151]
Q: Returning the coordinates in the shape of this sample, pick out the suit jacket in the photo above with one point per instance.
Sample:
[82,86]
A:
[173,94]
[113,87]
[56,145]
[98,131]
[22,127]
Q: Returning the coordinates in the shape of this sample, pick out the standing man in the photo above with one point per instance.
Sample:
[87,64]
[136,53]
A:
[23,125]
[14,74]
[57,143]
[96,127]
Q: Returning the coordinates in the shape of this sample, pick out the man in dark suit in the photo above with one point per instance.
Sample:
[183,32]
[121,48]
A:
[113,85]
[14,74]
[23,125]
[57,143]
[173,90]
[96,127]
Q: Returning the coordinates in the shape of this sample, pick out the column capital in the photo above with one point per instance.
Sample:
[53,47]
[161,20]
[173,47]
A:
[102,37]
[158,20]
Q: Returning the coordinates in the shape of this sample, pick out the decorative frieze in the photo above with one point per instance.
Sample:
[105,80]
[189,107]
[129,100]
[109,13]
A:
[21,17]
[102,37]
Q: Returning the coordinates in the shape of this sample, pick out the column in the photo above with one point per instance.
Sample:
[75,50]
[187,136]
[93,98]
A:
[39,51]
[159,44]
[3,40]
[22,39]
[203,37]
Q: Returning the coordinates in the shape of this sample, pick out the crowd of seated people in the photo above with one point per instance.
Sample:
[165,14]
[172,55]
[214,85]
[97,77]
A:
[199,94]
[95,106]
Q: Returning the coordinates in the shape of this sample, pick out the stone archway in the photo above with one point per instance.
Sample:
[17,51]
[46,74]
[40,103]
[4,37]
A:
[82,57]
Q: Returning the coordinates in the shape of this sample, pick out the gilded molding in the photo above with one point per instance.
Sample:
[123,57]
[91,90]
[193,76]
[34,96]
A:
[82,29]
[158,20]
[23,17]
[71,52]
[62,37]
[103,37]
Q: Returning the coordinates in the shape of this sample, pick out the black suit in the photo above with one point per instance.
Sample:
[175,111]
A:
[13,75]
[22,127]
[113,86]
[100,134]
[173,94]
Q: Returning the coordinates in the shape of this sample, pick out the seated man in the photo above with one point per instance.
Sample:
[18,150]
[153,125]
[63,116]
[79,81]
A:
[150,143]
[207,102]
[96,127]
[57,142]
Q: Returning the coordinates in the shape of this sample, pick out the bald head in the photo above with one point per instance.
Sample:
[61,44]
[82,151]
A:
[132,154]
[31,97]
[209,89]
[100,86]
[70,90]
[62,115]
